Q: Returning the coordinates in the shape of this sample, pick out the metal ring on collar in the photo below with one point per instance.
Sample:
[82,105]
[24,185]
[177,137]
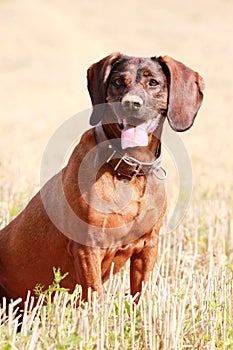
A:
[157,170]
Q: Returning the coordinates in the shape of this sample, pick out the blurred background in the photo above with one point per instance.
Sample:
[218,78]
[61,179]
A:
[46,48]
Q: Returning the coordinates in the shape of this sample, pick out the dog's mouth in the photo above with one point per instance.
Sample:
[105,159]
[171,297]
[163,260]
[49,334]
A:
[135,133]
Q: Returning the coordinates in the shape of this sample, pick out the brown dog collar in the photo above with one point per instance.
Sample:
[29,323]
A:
[125,165]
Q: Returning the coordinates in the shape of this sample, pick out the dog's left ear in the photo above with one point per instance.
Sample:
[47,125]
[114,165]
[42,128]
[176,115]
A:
[97,78]
[185,93]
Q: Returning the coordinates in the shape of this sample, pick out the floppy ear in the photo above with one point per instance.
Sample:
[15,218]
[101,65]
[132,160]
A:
[97,78]
[185,93]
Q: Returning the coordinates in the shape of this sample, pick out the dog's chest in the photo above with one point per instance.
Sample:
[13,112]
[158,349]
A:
[122,210]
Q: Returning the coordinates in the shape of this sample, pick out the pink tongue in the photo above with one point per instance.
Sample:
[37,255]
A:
[132,136]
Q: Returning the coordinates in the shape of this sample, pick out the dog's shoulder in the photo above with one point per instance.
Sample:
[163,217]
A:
[88,138]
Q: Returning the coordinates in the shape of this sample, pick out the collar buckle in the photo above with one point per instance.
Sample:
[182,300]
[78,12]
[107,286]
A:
[137,170]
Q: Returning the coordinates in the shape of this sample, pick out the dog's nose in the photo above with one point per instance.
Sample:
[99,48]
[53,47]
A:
[132,102]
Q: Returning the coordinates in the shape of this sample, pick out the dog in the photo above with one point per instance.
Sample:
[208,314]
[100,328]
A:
[107,205]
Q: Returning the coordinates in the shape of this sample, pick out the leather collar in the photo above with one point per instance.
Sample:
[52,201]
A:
[123,164]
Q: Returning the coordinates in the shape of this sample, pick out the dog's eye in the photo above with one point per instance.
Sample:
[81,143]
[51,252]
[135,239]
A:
[118,82]
[153,82]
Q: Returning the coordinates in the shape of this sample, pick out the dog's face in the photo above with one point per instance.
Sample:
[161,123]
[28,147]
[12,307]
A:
[140,88]
[141,91]
[137,93]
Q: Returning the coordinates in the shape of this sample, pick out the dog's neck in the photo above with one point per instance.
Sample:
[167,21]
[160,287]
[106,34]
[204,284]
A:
[144,154]
[130,162]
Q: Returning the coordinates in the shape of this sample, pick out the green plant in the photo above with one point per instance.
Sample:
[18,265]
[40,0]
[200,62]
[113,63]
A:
[55,287]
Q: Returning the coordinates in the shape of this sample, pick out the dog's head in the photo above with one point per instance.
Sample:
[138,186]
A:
[141,92]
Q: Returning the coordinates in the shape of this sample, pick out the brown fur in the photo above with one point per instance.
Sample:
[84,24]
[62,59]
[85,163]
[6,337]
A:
[31,245]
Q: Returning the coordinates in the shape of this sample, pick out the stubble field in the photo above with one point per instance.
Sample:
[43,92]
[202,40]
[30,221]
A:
[45,51]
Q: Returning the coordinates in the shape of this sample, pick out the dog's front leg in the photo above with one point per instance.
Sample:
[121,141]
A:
[87,264]
[141,265]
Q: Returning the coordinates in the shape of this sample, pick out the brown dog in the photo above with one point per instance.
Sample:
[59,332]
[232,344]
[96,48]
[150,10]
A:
[106,206]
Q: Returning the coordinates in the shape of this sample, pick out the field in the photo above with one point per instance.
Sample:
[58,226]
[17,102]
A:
[46,48]
[187,303]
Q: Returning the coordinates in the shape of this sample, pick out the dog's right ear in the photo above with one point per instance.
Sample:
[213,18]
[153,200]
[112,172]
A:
[97,79]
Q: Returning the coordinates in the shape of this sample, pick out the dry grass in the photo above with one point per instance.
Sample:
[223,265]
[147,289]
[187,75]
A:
[46,48]
[187,304]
